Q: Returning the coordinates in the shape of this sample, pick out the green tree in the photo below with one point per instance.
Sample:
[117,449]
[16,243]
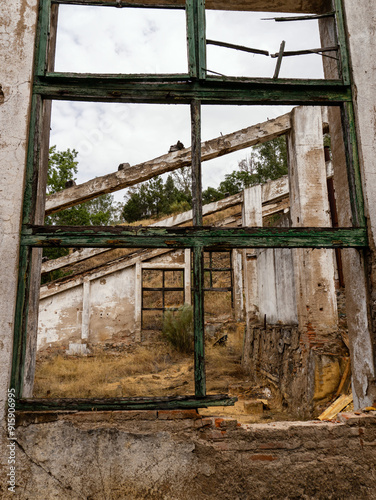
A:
[267,161]
[156,198]
[62,167]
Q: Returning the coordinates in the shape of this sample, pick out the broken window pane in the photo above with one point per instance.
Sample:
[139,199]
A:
[249,30]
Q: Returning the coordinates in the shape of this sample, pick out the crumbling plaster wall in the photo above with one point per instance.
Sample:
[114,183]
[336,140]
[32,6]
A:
[17,33]
[181,456]
[359,267]
[99,310]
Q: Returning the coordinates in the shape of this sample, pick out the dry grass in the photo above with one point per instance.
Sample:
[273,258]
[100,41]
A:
[109,375]
[156,370]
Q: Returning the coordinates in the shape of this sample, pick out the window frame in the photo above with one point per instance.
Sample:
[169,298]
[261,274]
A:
[195,88]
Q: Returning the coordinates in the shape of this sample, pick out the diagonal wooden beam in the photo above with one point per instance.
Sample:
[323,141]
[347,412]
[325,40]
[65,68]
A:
[129,176]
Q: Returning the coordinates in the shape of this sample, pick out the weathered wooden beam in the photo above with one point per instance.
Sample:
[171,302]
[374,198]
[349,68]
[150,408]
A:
[237,47]
[218,238]
[291,6]
[256,134]
[159,89]
[139,403]
[271,192]
[175,220]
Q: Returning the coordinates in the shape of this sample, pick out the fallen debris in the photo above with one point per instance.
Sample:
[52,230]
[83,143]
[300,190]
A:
[338,405]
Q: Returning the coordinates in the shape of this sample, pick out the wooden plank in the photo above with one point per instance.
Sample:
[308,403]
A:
[299,18]
[290,6]
[196,163]
[338,405]
[213,90]
[237,47]
[190,237]
[305,52]
[345,376]
[256,134]
[279,60]
[140,403]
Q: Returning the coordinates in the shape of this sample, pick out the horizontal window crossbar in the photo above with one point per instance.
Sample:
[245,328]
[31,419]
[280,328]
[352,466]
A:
[190,237]
[145,4]
[214,90]
[138,403]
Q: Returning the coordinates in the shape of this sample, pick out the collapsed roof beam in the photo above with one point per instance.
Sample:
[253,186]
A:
[130,175]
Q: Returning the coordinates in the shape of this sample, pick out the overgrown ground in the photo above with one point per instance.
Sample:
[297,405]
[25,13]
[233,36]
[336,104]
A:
[157,369]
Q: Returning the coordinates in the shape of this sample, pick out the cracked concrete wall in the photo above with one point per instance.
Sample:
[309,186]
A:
[182,456]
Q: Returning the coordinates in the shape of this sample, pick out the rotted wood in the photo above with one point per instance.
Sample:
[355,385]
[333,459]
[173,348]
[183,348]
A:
[279,60]
[198,321]
[41,168]
[129,176]
[213,90]
[306,52]
[191,237]
[196,163]
[299,18]
[288,6]
[140,403]
[237,47]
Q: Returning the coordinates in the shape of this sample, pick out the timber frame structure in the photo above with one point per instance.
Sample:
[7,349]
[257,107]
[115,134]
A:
[194,88]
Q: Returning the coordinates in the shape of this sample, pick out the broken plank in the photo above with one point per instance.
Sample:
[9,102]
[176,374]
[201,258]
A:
[338,405]
[237,47]
[129,176]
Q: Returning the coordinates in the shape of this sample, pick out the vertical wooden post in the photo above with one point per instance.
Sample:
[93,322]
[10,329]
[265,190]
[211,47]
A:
[198,253]
[45,61]
[196,38]
[196,163]
[198,320]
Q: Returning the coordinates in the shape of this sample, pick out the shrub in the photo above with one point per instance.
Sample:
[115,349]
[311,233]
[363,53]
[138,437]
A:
[178,328]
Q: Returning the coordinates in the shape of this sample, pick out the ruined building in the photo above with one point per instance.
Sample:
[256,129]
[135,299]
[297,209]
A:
[284,277]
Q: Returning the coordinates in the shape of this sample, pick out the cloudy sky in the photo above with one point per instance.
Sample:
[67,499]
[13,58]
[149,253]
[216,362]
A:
[112,40]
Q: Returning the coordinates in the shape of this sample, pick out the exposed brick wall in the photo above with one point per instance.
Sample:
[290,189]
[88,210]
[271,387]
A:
[179,455]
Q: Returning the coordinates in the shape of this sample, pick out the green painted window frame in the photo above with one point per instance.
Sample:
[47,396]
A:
[195,88]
